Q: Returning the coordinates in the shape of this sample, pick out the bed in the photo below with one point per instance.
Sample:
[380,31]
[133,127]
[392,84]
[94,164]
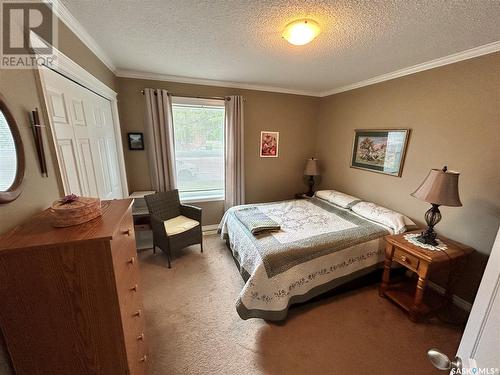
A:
[323,242]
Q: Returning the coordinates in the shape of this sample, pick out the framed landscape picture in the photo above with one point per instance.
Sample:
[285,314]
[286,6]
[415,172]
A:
[380,151]
[135,141]
[269,144]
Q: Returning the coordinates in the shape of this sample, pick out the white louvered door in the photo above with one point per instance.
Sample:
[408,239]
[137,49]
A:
[85,139]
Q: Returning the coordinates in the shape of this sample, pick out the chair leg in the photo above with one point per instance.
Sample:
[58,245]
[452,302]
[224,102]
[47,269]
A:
[154,248]
[168,259]
[201,244]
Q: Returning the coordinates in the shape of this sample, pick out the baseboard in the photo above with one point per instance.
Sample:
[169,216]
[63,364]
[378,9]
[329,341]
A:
[457,301]
[209,229]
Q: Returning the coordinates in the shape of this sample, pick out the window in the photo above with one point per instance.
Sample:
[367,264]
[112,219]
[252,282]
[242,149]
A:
[199,148]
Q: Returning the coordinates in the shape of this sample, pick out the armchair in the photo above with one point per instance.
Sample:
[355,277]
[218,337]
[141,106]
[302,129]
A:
[174,225]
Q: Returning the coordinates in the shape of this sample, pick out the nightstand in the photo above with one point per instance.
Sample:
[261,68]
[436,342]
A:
[302,196]
[413,297]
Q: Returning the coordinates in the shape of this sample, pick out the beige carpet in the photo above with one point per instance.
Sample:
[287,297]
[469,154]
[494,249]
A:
[193,327]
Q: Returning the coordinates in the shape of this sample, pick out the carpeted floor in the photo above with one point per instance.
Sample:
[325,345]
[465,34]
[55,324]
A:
[193,327]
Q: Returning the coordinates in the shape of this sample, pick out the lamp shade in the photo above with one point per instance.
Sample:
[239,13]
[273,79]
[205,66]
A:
[312,168]
[440,187]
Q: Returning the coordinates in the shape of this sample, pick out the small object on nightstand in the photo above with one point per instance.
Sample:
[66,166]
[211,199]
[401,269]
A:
[421,261]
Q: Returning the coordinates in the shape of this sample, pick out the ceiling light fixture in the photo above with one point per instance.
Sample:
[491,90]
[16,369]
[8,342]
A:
[301,32]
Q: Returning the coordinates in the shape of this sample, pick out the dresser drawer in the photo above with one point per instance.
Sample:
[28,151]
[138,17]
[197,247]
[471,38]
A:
[124,253]
[125,262]
[136,346]
[135,340]
[406,260]
[129,290]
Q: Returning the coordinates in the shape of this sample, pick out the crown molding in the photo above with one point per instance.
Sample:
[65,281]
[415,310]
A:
[446,60]
[75,26]
[124,73]
[450,59]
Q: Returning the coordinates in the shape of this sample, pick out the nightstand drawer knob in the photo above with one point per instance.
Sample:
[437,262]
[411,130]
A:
[140,337]
[134,288]
[127,231]
[131,260]
[138,313]
[144,358]
[404,259]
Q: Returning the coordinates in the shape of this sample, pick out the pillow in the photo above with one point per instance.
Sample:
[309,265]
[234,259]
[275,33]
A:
[338,198]
[399,223]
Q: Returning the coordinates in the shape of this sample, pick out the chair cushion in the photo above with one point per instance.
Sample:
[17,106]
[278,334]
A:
[179,224]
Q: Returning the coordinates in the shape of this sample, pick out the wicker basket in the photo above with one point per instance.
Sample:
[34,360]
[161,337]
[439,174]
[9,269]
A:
[74,213]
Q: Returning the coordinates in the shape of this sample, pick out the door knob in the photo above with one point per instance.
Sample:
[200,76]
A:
[442,362]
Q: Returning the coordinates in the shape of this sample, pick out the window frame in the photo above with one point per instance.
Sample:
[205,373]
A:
[200,103]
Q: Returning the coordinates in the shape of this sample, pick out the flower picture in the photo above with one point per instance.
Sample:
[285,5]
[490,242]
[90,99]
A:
[269,144]
[380,150]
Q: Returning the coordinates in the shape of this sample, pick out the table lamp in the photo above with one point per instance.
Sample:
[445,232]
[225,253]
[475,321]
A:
[311,170]
[440,188]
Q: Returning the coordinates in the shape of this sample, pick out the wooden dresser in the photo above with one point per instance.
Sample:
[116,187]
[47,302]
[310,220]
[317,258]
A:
[70,298]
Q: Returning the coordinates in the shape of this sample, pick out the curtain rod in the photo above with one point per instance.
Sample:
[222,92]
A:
[196,96]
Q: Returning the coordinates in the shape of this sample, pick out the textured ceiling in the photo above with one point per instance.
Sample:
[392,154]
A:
[240,41]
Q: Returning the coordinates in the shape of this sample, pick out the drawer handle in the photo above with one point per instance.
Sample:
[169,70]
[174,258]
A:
[140,337]
[131,260]
[127,231]
[134,288]
[405,259]
[138,313]
[144,358]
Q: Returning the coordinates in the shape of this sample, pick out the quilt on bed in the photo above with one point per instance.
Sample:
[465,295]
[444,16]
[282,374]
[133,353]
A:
[318,247]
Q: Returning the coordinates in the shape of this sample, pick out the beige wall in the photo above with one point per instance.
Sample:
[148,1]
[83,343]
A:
[454,116]
[20,90]
[267,179]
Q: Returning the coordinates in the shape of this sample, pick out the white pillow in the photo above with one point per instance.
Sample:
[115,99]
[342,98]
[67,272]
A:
[338,198]
[399,223]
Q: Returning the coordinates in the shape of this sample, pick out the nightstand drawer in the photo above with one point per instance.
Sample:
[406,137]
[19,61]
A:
[406,260]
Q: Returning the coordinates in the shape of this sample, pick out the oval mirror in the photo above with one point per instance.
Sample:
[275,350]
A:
[11,156]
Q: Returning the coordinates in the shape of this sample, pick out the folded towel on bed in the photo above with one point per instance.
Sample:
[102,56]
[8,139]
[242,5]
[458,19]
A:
[256,221]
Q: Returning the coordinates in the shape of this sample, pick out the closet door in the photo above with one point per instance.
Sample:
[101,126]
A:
[85,139]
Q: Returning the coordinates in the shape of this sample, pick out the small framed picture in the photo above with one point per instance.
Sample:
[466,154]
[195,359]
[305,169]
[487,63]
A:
[135,141]
[269,142]
[380,151]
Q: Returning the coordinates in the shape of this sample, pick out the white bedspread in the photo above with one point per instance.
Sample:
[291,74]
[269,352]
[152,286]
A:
[319,247]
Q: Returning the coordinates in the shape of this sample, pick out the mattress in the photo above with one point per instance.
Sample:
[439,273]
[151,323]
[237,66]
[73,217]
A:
[319,246]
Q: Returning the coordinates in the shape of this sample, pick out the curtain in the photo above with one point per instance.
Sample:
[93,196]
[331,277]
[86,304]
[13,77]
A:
[159,139]
[234,153]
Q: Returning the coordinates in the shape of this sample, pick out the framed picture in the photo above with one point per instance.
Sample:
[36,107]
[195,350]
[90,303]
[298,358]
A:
[380,151]
[135,141]
[269,144]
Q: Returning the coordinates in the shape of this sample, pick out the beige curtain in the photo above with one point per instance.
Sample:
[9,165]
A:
[159,139]
[234,151]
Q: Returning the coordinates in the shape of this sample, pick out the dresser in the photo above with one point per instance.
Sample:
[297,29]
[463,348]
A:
[71,299]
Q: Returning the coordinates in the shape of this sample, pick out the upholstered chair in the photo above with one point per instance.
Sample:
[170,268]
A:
[175,225]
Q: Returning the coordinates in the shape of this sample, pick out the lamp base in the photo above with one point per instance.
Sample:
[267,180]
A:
[310,193]
[432,217]
[428,238]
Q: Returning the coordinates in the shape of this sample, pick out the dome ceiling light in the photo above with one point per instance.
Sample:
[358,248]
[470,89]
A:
[301,32]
